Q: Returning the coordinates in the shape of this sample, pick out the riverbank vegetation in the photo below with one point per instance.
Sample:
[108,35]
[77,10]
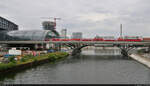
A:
[51,57]
[142,51]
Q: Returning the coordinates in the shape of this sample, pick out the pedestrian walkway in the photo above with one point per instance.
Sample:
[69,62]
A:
[141,59]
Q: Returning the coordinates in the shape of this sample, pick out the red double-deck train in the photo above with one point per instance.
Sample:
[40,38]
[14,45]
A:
[110,38]
[130,38]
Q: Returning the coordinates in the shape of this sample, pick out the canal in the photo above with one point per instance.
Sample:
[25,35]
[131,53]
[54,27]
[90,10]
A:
[90,67]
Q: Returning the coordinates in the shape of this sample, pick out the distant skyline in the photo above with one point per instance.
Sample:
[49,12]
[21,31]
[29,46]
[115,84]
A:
[91,17]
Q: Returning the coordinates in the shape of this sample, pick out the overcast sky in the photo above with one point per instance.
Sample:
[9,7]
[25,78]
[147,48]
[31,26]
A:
[92,17]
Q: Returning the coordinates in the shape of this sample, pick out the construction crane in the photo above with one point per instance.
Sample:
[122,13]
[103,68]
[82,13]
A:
[52,18]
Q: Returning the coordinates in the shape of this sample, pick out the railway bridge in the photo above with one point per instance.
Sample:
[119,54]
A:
[125,46]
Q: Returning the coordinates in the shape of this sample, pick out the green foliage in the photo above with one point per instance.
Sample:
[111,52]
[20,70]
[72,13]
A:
[29,58]
[52,57]
[35,60]
[23,59]
[4,66]
[12,59]
[26,58]
[56,56]
[141,51]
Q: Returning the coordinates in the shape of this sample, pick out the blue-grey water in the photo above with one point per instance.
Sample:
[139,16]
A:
[90,67]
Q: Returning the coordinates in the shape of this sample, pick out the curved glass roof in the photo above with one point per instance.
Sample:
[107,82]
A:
[34,35]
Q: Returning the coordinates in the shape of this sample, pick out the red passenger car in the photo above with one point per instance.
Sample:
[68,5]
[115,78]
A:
[146,39]
[86,39]
[109,38]
[64,39]
[98,39]
[130,38]
[75,39]
[55,39]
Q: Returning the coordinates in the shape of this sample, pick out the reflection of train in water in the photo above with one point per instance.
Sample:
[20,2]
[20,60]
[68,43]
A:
[105,38]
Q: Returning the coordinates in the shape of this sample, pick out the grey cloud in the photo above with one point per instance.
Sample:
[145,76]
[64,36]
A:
[133,14]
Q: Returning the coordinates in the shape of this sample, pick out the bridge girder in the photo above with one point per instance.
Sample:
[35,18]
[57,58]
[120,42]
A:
[78,45]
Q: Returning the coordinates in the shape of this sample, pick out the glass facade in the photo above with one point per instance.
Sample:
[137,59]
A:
[36,35]
[7,25]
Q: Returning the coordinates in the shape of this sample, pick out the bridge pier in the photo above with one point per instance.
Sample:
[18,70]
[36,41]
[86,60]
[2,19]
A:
[148,49]
[103,47]
[77,45]
[125,49]
[124,52]
[77,49]
[58,47]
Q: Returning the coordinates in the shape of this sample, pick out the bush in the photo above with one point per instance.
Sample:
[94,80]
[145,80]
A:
[12,59]
[23,59]
[28,56]
[57,55]
[35,60]
[52,57]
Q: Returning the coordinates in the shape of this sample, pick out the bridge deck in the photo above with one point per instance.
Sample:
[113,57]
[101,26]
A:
[83,42]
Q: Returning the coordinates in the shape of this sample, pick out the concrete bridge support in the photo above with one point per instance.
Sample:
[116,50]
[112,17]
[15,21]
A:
[148,50]
[124,52]
[58,47]
[77,49]
[125,49]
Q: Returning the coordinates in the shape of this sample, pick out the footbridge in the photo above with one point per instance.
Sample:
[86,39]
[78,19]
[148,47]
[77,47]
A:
[125,46]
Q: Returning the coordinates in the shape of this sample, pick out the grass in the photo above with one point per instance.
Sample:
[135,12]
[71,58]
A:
[52,57]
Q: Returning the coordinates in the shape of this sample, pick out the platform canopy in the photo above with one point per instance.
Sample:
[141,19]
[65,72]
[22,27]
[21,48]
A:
[29,35]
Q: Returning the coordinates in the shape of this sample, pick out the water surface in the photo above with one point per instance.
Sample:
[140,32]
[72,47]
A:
[90,67]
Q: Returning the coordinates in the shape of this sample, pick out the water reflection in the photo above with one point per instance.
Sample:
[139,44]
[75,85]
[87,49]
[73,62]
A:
[107,51]
[96,51]
[89,67]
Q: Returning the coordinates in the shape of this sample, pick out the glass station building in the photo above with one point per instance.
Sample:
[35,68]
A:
[9,32]
[30,35]
[7,25]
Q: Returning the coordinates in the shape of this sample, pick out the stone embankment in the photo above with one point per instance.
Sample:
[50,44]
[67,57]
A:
[142,58]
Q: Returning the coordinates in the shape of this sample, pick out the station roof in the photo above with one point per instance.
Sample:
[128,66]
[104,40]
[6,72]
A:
[34,35]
